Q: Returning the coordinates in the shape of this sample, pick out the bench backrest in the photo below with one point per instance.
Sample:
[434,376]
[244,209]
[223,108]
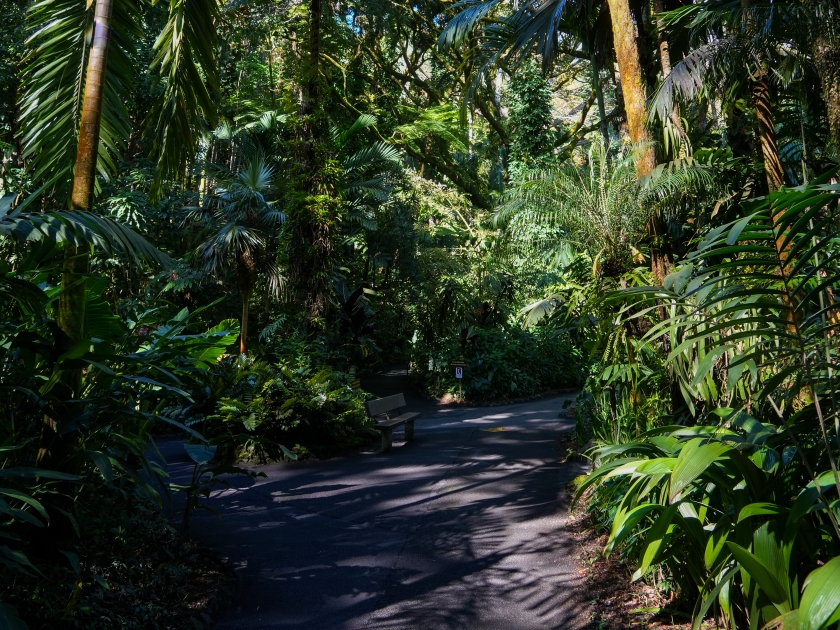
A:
[384,405]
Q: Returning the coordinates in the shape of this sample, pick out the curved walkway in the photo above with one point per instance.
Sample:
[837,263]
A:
[462,528]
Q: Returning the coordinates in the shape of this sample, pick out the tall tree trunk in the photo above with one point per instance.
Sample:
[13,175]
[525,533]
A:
[313,214]
[635,106]
[665,62]
[246,278]
[71,302]
[632,82]
[760,93]
[826,55]
[760,96]
[664,50]
[243,326]
[85,173]
[661,258]
[599,96]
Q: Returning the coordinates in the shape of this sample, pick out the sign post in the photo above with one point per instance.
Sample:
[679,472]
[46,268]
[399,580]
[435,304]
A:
[459,374]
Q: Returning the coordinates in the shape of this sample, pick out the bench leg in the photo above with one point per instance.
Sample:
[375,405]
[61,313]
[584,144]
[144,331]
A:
[409,430]
[386,440]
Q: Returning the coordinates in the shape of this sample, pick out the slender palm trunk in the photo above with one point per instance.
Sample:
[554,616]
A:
[243,326]
[635,106]
[71,306]
[246,278]
[632,82]
[665,63]
[599,96]
[71,303]
[760,93]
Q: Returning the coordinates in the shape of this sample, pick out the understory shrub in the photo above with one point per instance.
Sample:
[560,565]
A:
[500,364]
[268,410]
[734,494]
[128,569]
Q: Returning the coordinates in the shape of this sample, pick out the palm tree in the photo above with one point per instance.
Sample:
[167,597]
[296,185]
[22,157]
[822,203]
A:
[74,119]
[756,51]
[241,221]
[597,207]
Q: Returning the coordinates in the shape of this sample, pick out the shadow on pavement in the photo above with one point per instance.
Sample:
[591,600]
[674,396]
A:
[463,528]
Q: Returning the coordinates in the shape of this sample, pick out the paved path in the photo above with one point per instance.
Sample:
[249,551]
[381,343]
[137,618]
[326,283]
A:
[461,529]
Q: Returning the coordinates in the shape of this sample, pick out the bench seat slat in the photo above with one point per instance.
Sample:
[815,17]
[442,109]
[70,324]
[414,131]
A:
[395,422]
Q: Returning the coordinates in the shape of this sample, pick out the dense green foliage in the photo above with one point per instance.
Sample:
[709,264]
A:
[501,364]
[269,199]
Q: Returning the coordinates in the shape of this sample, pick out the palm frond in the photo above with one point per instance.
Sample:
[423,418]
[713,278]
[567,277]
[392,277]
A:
[362,122]
[376,152]
[185,56]
[232,238]
[54,78]
[83,228]
[30,297]
[441,121]
[470,13]
[257,175]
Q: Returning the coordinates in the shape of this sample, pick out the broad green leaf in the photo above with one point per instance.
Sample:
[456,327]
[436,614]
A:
[820,605]
[625,521]
[33,473]
[760,509]
[706,603]
[759,572]
[25,498]
[787,621]
[103,463]
[200,453]
[716,543]
[9,619]
[655,539]
[695,457]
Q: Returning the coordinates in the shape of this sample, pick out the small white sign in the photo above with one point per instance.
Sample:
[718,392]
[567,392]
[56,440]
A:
[459,372]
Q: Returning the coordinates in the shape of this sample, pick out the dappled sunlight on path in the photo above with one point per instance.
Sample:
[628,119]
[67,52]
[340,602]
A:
[462,528]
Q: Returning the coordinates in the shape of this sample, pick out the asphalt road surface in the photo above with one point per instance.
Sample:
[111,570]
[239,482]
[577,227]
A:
[463,528]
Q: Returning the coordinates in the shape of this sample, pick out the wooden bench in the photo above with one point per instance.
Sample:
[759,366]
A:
[387,414]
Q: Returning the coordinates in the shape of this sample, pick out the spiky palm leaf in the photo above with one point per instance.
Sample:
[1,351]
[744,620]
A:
[341,136]
[83,228]
[54,80]
[378,152]
[599,206]
[240,221]
[185,58]
[731,44]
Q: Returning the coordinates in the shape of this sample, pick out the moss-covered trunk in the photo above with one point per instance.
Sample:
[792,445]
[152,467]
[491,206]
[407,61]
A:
[632,82]
[314,208]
